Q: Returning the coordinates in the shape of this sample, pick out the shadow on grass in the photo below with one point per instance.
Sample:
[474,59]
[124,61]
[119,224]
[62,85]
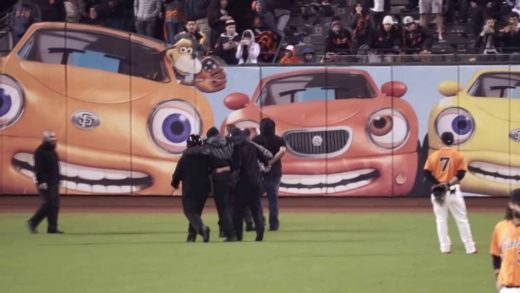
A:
[119,233]
[318,230]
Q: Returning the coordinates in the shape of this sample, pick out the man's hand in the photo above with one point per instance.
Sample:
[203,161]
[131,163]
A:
[43,186]
[175,191]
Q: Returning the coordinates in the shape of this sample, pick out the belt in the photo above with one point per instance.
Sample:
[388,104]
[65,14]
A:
[511,286]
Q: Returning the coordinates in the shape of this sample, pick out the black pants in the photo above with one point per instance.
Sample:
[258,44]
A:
[248,196]
[221,189]
[192,207]
[48,209]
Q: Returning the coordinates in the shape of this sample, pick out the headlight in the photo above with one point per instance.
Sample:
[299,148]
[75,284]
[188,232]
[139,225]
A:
[11,101]
[172,122]
[457,121]
[388,128]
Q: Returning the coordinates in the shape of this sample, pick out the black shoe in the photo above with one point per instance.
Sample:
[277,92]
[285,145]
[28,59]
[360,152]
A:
[221,234]
[55,232]
[191,238]
[273,228]
[250,226]
[230,239]
[205,234]
[259,235]
[30,227]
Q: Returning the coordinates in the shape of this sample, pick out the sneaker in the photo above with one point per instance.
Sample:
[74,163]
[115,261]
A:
[55,232]
[473,252]
[446,252]
[250,226]
[259,235]
[230,239]
[191,238]
[30,227]
[205,234]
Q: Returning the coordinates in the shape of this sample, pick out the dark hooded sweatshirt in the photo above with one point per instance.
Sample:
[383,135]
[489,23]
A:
[272,143]
[47,164]
[193,171]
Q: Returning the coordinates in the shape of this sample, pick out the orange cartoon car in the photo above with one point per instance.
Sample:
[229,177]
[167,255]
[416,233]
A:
[344,136]
[121,105]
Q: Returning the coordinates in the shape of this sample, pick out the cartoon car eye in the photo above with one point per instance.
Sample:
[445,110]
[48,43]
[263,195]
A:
[388,128]
[455,120]
[189,50]
[172,122]
[11,101]
[184,50]
[253,126]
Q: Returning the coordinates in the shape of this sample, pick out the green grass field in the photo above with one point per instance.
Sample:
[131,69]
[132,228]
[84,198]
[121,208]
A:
[351,252]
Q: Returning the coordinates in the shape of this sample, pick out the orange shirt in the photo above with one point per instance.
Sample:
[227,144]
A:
[445,163]
[505,243]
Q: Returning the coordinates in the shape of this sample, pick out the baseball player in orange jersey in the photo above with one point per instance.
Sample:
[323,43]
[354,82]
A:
[505,248]
[445,168]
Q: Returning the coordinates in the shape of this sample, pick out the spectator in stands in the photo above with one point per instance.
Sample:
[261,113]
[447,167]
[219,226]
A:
[308,55]
[94,16]
[114,13]
[146,13]
[75,10]
[281,10]
[242,11]
[217,17]
[263,19]
[173,18]
[198,10]
[289,56]
[428,7]
[52,10]
[362,29]
[380,8]
[475,17]
[248,50]
[387,42]
[493,9]
[192,32]
[510,36]
[415,39]
[338,39]
[266,33]
[227,43]
[24,14]
[487,42]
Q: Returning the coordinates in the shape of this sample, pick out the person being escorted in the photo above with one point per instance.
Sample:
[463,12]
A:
[249,186]
[193,171]
[47,168]
[445,168]
[271,179]
[505,248]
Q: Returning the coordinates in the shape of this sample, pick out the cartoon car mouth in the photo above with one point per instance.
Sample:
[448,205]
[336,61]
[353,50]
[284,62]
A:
[88,179]
[327,183]
[493,172]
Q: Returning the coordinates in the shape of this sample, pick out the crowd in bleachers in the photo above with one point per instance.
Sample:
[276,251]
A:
[297,31]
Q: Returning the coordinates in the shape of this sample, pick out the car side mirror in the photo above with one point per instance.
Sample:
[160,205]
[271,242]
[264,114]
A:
[394,89]
[236,101]
[449,88]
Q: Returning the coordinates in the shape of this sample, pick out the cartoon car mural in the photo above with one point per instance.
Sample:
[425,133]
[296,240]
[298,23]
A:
[115,100]
[484,119]
[345,137]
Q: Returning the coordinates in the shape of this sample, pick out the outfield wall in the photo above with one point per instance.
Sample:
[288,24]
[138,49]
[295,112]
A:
[123,108]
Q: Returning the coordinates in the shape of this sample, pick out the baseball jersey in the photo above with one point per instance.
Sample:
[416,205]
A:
[445,163]
[505,243]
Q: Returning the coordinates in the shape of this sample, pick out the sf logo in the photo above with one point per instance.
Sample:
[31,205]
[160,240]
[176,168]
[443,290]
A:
[85,120]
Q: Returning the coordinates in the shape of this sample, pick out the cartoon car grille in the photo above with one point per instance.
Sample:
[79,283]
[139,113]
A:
[317,142]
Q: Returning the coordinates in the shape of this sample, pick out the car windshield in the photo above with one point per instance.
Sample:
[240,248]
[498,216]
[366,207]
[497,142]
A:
[496,85]
[95,51]
[315,87]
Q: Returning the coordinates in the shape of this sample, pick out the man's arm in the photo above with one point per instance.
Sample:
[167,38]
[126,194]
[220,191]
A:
[178,174]
[278,155]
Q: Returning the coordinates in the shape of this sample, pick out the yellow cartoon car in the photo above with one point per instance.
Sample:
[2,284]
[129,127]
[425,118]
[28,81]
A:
[120,108]
[484,120]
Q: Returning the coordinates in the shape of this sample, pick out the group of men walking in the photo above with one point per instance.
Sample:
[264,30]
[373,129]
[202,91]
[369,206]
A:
[236,170]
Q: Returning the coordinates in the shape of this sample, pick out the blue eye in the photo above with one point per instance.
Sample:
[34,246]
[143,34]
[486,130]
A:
[172,122]
[462,125]
[11,101]
[176,128]
[457,121]
[5,102]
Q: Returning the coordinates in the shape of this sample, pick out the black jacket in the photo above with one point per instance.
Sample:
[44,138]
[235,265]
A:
[193,171]
[272,142]
[47,164]
[245,159]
